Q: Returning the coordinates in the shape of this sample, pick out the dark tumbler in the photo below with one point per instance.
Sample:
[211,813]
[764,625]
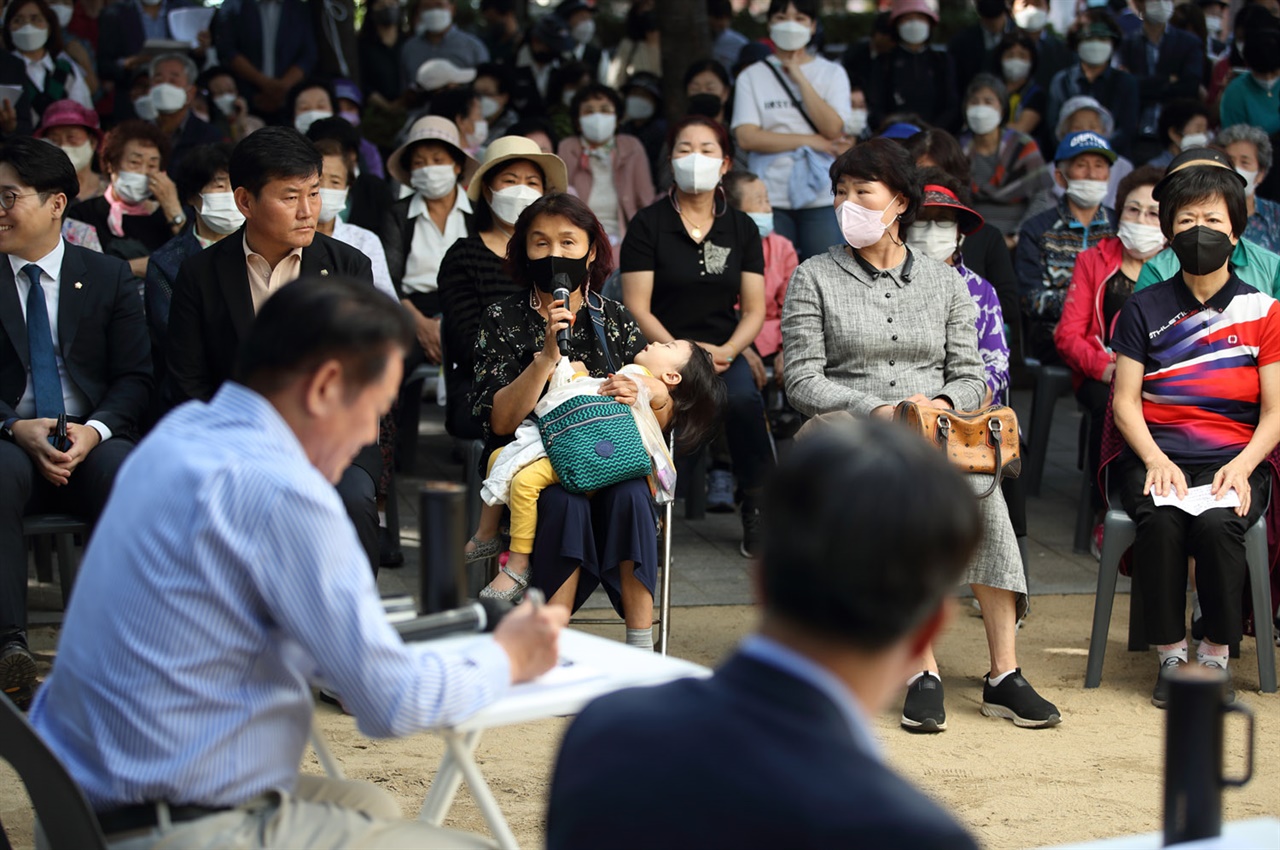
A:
[442,529]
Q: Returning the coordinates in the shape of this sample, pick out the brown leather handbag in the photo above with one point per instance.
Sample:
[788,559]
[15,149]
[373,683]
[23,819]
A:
[979,441]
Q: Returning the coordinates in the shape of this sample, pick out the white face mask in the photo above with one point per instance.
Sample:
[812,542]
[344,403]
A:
[936,240]
[63,14]
[696,173]
[1031,18]
[860,226]
[478,135]
[434,181]
[1140,240]
[789,35]
[1158,11]
[914,32]
[1094,52]
[982,118]
[434,21]
[226,103]
[585,31]
[168,98]
[1213,26]
[599,127]
[639,108]
[1194,140]
[764,222]
[1250,181]
[219,212]
[508,203]
[145,108]
[1087,193]
[80,155]
[332,202]
[29,37]
[489,106]
[856,123]
[1016,70]
[302,123]
[132,187]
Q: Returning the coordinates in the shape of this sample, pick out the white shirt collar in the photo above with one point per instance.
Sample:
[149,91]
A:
[50,263]
[418,206]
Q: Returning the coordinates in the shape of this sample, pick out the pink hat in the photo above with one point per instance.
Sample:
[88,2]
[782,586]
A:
[68,113]
[928,8]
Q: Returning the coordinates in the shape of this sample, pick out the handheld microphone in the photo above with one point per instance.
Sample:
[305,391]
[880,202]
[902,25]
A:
[480,616]
[561,283]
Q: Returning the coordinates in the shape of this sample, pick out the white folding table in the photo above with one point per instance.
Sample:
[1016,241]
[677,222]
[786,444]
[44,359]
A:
[590,667]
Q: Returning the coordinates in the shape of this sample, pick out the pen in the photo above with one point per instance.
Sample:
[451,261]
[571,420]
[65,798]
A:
[535,597]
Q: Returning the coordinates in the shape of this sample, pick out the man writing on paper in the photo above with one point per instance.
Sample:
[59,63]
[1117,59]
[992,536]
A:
[225,573]
[867,531]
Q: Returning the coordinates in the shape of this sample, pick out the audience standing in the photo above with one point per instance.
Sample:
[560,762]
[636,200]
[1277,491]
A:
[1250,152]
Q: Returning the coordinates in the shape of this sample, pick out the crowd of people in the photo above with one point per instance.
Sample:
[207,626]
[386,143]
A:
[906,220]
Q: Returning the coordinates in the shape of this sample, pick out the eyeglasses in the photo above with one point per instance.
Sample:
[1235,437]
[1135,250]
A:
[9,197]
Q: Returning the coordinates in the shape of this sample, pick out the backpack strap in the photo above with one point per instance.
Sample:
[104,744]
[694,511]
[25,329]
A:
[597,320]
[786,88]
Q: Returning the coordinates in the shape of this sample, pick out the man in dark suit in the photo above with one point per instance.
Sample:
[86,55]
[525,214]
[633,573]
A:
[275,176]
[73,341]
[972,48]
[1169,64]
[869,530]
[268,44]
[123,28]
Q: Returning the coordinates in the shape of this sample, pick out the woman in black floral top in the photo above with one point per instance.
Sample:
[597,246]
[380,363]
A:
[610,538]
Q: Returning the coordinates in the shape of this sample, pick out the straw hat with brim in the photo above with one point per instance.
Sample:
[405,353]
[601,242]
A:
[1195,158]
[940,196]
[555,177]
[433,128]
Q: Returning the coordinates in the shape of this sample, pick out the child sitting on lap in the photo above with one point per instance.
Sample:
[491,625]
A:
[677,387]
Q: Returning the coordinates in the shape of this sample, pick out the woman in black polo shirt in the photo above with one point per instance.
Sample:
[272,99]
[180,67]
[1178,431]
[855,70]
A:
[687,260]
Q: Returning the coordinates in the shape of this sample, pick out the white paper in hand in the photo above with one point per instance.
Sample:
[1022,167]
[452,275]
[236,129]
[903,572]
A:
[1198,499]
[187,24]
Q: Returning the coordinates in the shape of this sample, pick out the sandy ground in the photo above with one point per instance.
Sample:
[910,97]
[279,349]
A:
[1096,775]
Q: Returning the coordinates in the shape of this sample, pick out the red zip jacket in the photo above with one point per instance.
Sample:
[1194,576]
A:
[1078,335]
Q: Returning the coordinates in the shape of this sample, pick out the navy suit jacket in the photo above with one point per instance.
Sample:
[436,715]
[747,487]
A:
[751,757]
[237,29]
[1181,56]
[102,337]
[120,35]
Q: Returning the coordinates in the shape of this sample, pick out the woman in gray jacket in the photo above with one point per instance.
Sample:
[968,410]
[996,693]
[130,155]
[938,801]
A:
[869,324]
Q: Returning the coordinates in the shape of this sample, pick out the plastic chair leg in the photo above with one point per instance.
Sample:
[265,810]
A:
[68,565]
[695,495]
[1137,619]
[1117,537]
[43,547]
[1255,543]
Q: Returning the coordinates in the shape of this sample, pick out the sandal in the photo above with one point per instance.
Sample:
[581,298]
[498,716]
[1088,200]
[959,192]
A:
[511,594]
[485,549]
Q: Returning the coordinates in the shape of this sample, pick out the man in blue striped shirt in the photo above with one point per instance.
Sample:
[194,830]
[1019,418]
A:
[225,576]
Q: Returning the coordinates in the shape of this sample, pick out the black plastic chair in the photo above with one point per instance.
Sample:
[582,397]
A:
[61,530]
[64,813]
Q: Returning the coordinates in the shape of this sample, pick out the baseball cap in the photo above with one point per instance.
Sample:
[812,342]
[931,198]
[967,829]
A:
[435,74]
[1084,141]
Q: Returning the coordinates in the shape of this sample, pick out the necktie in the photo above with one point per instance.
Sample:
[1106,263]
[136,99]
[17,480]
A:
[44,361]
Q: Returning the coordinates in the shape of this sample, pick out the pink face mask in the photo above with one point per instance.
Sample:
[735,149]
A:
[861,226]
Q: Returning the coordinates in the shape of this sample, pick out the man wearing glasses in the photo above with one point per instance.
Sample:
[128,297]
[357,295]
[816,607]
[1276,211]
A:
[73,343]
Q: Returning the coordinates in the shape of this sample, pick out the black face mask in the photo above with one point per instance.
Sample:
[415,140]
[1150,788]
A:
[387,16]
[990,8]
[545,271]
[705,104]
[1202,250]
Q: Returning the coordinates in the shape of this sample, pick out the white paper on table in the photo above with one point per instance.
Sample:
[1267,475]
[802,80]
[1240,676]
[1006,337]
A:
[566,672]
[186,24]
[1198,499]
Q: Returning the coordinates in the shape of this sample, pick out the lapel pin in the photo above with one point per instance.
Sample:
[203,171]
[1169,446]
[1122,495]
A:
[79,285]
[324,272]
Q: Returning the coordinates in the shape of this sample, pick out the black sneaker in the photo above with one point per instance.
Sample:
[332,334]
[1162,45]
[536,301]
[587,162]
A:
[923,710]
[1016,700]
[17,672]
[1160,696]
[1230,692]
[390,554]
[750,531]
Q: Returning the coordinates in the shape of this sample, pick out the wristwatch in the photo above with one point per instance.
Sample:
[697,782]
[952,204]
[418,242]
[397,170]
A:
[178,220]
[7,427]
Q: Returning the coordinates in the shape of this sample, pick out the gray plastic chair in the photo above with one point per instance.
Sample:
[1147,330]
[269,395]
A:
[64,813]
[1119,531]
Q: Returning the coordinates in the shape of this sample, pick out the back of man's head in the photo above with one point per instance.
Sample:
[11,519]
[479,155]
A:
[867,529]
[272,153]
[317,319]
